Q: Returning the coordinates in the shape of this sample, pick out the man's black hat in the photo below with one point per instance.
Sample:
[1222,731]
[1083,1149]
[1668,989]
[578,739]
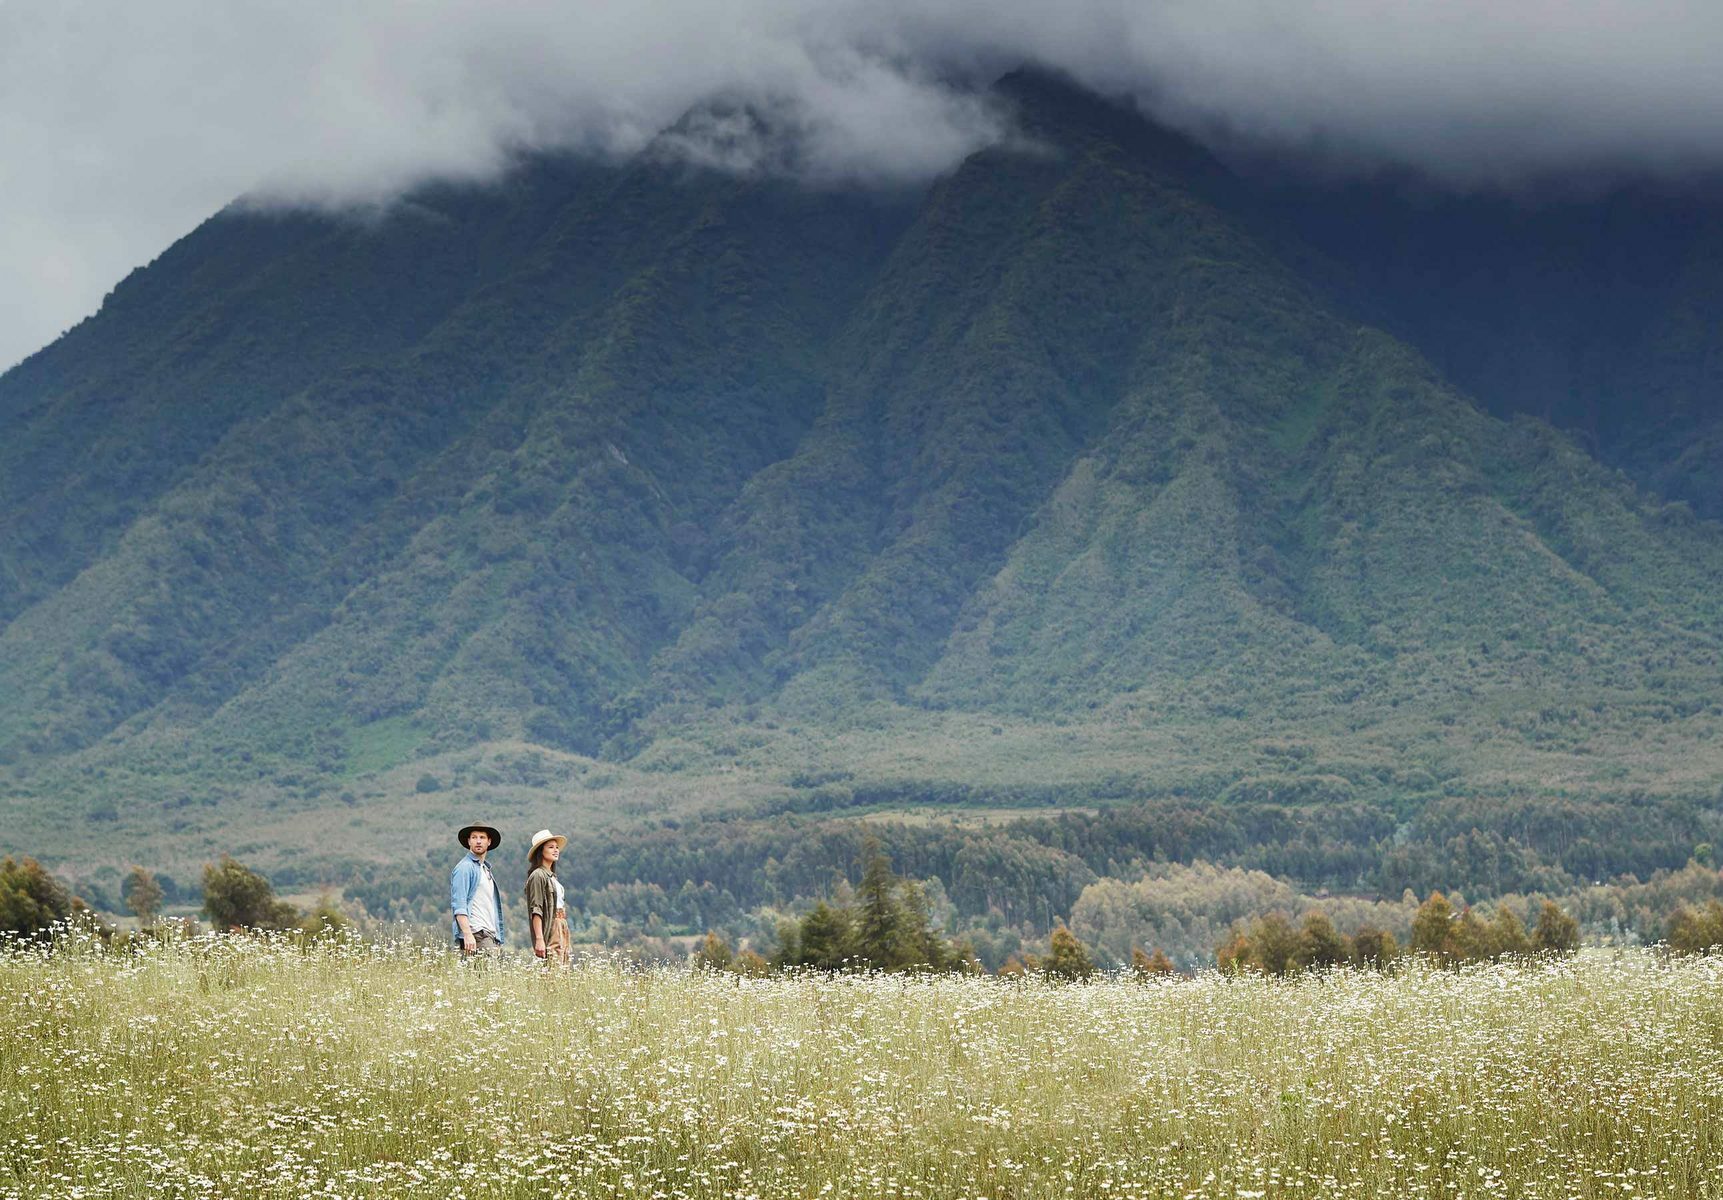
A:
[467,830]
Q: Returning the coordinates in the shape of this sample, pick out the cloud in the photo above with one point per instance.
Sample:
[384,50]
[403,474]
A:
[124,124]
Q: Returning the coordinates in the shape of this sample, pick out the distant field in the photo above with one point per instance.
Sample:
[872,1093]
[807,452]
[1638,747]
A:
[961,817]
[241,1068]
[917,766]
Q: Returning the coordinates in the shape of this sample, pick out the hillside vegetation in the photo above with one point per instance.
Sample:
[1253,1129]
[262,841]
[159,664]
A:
[686,511]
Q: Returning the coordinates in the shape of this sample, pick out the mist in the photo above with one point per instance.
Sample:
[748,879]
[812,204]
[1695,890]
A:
[122,126]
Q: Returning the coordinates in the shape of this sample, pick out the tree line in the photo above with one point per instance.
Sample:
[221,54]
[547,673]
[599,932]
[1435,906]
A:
[1021,869]
[887,922]
[1271,944]
[884,925]
[33,901]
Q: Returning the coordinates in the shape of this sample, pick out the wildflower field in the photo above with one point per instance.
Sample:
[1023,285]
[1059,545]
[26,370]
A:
[245,1067]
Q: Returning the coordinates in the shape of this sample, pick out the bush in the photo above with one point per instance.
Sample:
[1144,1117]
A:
[1067,958]
[1152,966]
[1556,932]
[1320,944]
[326,920]
[714,954]
[31,900]
[1693,932]
[1375,947]
[236,897]
[888,927]
[143,895]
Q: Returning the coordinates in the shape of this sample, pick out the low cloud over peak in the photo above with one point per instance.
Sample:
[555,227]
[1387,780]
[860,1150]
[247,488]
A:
[123,125]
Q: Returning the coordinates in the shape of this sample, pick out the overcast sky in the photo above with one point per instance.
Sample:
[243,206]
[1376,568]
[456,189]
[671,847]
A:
[124,123]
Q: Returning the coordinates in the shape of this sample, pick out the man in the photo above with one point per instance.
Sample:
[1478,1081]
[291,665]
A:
[474,897]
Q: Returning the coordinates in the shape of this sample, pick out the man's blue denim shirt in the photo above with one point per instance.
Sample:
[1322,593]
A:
[462,884]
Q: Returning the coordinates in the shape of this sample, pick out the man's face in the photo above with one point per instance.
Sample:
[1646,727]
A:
[478,841]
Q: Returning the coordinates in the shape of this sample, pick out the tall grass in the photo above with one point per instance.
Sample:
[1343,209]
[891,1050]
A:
[235,1067]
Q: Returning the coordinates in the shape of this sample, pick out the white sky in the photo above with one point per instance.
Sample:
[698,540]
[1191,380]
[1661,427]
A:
[124,123]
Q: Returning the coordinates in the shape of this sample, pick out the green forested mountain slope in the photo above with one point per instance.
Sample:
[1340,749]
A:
[225,326]
[477,421]
[1601,312]
[617,494]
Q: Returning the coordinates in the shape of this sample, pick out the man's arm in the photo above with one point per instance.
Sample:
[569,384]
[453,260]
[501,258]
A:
[460,896]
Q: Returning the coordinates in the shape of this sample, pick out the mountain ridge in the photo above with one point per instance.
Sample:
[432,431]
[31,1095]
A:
[1071,474]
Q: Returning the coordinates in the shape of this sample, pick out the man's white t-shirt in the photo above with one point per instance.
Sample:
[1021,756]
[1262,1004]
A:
[482,908]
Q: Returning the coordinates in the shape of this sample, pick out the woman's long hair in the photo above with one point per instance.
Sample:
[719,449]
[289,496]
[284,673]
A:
[535,860]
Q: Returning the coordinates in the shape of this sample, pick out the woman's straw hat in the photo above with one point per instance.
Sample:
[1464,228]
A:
[540,838]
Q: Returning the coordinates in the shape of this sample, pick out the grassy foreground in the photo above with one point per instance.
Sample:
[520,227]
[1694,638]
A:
[240,1068]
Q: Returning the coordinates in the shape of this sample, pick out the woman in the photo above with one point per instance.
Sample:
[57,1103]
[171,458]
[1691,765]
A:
[546,902]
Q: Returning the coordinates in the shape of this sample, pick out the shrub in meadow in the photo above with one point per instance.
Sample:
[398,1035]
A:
[143,895]
[1067,957]
[326,920]
[236,897]
[888,927]
[31,900]
[821,939]
[750,963]
[1469,938]
[1152,966]
[1449,939]
[1270,945]
[1320,944]
[714,953]
[1432,929]
[1557,932]
[1508,937]
[1375,947]
[1696,932]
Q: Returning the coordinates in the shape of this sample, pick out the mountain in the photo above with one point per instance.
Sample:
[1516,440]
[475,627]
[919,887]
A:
[1598,311]
[1093,473]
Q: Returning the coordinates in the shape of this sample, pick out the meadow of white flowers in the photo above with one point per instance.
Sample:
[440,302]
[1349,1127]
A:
[238,1067]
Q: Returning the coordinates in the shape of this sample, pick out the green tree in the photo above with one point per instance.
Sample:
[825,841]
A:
[789,951]
[1556,932]
[236,897]
[143,895]
[888,927]
[917,937]
[1067,958]
[1274,944]
[326,920]
[1432,926]
[1375,947]
[714,953]
[1269,945]
[1469,939]
[1693,932]
[1508,937]
[883,938]
[31,900]
[1151,966]
[824,939]
[1320,944]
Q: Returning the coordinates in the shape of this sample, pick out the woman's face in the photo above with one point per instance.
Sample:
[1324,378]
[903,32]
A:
[551,852]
